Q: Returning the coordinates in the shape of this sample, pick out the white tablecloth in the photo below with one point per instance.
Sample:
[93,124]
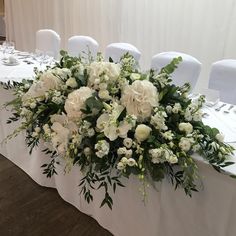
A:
[211,212]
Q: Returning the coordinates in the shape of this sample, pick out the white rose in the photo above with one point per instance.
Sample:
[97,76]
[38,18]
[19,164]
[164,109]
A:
[131,162]
[103,86]
[104,94]
[185,144]
[139,98]
[121,151]
[220,137]
[75,102]
[129,153]
[71,82]
[142,132]
[87,151]
[128,142]
[121,166]
[168,109]
[124,160]
[91,132]
[186,127]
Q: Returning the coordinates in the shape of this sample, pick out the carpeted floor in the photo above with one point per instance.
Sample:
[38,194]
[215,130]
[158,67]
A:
[27,209]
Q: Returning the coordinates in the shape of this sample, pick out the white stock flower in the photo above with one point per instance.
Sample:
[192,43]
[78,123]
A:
[75,102]
[158,120]
[172,159]
[142,132]
[71,82]
[220,137]
[176,108]
[60,138]
[197,116]
[156,155]
[139,98]
[102,147]
[168,135]
[186,127]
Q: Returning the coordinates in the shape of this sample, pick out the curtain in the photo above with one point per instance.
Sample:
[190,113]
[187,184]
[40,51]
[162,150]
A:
[204,29]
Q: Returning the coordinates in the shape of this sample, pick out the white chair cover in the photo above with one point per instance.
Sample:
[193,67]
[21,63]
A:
[188,70]
[117,50]
[82,45]
[223,79]
[48,42]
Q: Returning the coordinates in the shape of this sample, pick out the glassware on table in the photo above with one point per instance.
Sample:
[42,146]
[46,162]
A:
[212,96]
[8,47]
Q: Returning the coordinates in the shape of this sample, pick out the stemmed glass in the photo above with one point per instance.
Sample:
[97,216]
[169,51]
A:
[8,48]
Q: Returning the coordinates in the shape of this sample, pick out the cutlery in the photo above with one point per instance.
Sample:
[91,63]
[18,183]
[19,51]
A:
[220,107]
[228,110]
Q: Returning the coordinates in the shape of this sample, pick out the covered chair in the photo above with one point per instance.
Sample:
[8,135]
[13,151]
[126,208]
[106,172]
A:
[82,45]
[188,70]
[48,42]
[223,79]
[117,50]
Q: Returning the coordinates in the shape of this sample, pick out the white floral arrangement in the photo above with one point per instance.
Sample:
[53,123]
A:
[113,120]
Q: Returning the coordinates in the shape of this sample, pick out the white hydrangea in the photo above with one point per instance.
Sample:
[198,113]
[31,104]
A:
[75,102]
[71,82]
[105,72]
[139,98]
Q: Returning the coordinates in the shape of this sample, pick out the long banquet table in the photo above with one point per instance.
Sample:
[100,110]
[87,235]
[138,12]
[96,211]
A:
[211,212]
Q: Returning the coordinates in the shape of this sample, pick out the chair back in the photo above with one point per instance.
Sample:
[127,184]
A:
[82,46]
[223,79]
[48,42]
[117,50]
[188,70]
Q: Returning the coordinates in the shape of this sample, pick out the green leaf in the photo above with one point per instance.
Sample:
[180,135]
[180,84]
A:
[94,103]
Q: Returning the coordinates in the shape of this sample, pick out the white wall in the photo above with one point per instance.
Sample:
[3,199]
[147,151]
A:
[202,28]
